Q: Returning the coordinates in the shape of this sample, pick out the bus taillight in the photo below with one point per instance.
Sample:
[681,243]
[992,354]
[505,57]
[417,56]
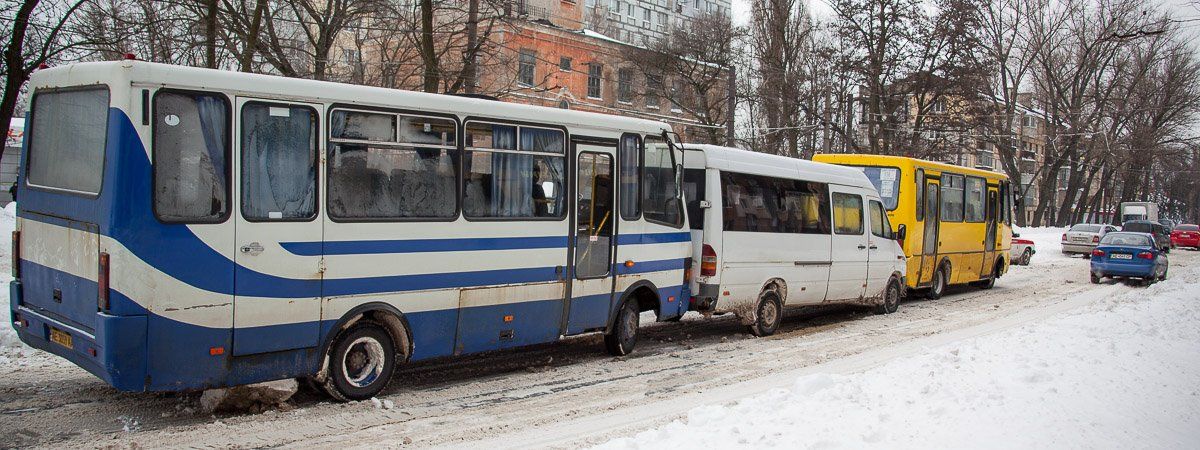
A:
[16,254]
[687,270]
[102,281]
[708,261]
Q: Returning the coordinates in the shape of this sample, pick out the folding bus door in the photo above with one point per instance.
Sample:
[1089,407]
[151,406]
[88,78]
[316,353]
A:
[929,236]
[593,241]
[989,241]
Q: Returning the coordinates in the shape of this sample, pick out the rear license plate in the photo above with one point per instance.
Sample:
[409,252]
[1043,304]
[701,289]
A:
[1121,256]
[60,337]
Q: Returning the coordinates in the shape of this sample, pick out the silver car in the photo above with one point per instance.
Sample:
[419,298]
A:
[1082,238]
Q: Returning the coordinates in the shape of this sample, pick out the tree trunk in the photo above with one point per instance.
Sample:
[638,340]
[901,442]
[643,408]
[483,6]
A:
[470,69]
[210,34]
[428,56]
[246,59]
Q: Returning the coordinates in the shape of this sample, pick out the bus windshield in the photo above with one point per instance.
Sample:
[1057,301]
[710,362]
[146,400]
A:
[887,182]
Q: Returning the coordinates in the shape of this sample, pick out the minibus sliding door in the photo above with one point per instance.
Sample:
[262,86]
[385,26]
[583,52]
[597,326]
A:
[989,241]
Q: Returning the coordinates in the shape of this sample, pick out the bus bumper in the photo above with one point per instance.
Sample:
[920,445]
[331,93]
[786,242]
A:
[115,351]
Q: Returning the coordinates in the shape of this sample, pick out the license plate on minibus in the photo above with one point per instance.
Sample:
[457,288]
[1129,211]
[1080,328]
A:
[1122,256]
[60,337]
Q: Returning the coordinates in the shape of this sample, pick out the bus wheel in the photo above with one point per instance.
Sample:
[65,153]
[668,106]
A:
[361,363]
[891,298]
[623,338]
[989,282]
[768,314]
[940,281]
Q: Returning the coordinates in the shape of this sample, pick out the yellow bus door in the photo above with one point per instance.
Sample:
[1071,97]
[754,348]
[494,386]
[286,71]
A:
[929,236]
[989,240]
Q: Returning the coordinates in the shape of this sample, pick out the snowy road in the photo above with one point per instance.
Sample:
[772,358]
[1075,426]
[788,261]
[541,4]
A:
[564,394]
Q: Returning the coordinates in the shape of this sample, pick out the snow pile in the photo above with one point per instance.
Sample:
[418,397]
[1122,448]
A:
[10,346]
[1123,372]
[254,397]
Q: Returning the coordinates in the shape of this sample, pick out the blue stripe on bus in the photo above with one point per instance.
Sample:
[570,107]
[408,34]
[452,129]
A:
[422,245]
[370,247]
[653,238]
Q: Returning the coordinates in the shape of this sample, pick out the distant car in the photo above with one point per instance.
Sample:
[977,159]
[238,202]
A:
[1129,255]
[1083,237]
[1162,238]
[1186,235]
[1170,224]
[1022,250]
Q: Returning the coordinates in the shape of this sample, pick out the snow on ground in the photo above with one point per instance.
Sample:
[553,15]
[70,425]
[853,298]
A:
[1121,372]
[13,353]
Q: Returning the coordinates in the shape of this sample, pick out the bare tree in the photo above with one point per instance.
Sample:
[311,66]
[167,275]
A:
[40,33]
[694,61]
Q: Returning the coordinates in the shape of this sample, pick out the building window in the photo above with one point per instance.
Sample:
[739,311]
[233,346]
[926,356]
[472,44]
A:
[625,85]
[653,88]
[677,93]
[564,63]
[525,65]
[593,86]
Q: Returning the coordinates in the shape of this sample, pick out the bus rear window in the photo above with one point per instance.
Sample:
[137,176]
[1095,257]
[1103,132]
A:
[887,181]
[67,137]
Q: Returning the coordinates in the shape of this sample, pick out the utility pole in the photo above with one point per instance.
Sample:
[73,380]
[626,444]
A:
[470,71]
[731,105]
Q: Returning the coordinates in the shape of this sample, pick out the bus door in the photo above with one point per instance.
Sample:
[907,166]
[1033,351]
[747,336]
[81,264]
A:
[929,240]
[277,292]
[592,242]
[989,240]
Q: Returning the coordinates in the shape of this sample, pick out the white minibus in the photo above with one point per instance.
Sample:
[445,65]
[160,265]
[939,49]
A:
[771,231]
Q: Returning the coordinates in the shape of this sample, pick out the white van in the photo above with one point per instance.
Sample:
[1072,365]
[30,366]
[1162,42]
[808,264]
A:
[771,231]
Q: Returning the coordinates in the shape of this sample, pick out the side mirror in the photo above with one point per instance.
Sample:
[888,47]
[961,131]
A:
[901,232]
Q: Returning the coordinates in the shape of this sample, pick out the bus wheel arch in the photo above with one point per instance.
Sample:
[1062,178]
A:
[779,286]
[386,316]
[645,294]
[944,271]
[621,335]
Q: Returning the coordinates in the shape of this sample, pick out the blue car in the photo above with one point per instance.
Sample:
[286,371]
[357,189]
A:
[1130,255]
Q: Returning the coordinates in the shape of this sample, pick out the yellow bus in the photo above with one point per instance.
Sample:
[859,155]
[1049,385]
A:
[955,223]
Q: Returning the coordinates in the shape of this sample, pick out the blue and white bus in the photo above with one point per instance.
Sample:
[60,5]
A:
[183,228]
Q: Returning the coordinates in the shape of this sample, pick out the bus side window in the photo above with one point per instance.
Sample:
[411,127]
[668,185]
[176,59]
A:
[279,162]
[191,156]
[920,203]
[629,159]
[847,214]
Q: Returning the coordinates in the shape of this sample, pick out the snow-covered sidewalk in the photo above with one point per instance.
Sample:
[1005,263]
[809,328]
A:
[1123,372]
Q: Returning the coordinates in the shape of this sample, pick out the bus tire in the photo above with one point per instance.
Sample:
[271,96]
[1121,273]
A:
[941,280]
[361,362]
[768,314]
[891,298]
[623,338]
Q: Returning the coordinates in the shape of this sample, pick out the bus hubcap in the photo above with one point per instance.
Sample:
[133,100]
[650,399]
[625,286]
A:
[363,362]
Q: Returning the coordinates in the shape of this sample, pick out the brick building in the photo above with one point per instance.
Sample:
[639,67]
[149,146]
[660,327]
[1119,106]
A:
[559,62]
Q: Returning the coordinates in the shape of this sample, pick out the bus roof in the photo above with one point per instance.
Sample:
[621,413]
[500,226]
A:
[148,74]
[745,161]
[857,159]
